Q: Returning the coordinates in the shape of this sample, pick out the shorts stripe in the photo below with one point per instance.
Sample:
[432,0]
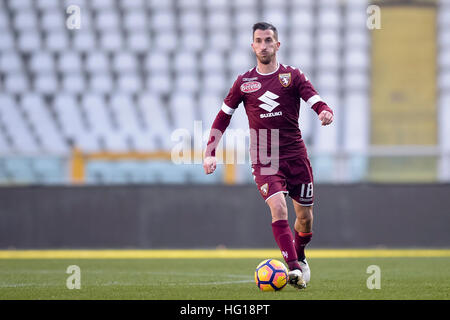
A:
[275,194]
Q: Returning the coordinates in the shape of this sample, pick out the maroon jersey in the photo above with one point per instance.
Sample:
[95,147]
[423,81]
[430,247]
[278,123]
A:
[272,104]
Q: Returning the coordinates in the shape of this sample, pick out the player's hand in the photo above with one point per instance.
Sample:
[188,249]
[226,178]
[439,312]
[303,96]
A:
[326,117]
[209,164]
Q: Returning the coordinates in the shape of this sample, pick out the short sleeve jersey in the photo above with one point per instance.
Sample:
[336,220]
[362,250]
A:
[272,101]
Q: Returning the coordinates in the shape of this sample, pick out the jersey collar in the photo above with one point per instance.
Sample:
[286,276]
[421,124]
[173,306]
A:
[267,74]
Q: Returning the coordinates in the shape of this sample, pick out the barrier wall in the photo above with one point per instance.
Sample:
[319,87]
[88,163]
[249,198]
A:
[175,216]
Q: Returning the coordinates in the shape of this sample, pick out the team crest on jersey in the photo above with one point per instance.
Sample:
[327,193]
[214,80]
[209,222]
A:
[251,86]
[265,189]
[285,79]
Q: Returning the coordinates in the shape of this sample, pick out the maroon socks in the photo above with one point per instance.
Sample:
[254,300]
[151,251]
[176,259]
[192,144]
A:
[301,240]
[283,236]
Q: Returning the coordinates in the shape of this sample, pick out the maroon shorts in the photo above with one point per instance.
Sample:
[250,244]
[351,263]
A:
[293,177]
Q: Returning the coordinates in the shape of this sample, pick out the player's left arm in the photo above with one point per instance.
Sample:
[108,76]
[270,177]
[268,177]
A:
[313,100]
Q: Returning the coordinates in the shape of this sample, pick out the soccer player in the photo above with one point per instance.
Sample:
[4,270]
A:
[271,95]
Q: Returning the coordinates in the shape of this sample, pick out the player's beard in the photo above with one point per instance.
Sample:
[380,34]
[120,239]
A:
[265,59]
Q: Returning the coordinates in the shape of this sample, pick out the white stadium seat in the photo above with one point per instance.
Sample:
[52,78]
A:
[139,42]
[57,41]
[157,61]
[101,82]
[53,20]
[97,61]
[40,117]
[10,62]
[124,62]
[6,41]
[46,83]
[29,41]
[220,41]
[48,4]
[213,82]
[160,82]
[135,20]
[192,41]
[101,5]
[107,20]
[185,61]
[218,21]
[74,83]
[163,20]
[16,126]
[70,61]
[182,106]
[166,41]
[84,41]
[191,19]
[42,62]
[25,20]
[129,83]
[16,83]
[111,40]
[187,83]
[212,61]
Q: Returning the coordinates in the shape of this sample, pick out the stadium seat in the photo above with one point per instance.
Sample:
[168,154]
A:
[163,20]
[327,80]
[16,126]
[4,20]
[329,40]
[160,82]
[444,80]
[25,20]
[84,41]
[155,118]
[220,41]
[186,61]
[357,59]
[328,60]
[46,83]
[74,83]
[191,19]
[244,20]
[129,82]
[69,62]
[216,4]
[132,5]
[102,5]
[209,107]
[157,61]
[11,62]
[135,20]
[45,127]
[166,41]
[167,4]
[356,120]
[53,20]
[16,83]
[138,42]
[356,80]
[241,61]
[69,115]
[124,62]
[444,59]
[191,41]
[101,82]
[242,5]
[111,40]
[276,16]
[6,41]
[107,19]
[47,5]
[218,21]
[329,18]
[57,41]
[212,61]
[97,61]
[213,83]
[123,108]
[356,39]
[5,148]
[187,83]
[42,62]
[29,41]
[183,109]
[301,19]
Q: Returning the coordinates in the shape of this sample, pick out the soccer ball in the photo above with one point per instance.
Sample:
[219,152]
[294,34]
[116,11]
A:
[271,275]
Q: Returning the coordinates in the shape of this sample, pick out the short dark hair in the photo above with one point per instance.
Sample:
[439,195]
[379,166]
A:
[265,26]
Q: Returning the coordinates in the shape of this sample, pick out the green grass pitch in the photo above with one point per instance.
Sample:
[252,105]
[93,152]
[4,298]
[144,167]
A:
[221,278]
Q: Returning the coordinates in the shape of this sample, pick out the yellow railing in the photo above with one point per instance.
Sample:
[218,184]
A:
[79,160]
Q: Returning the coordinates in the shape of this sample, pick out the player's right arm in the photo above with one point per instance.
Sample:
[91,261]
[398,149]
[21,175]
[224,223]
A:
[220,124]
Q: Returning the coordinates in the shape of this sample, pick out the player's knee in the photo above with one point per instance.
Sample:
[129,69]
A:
[278,210]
